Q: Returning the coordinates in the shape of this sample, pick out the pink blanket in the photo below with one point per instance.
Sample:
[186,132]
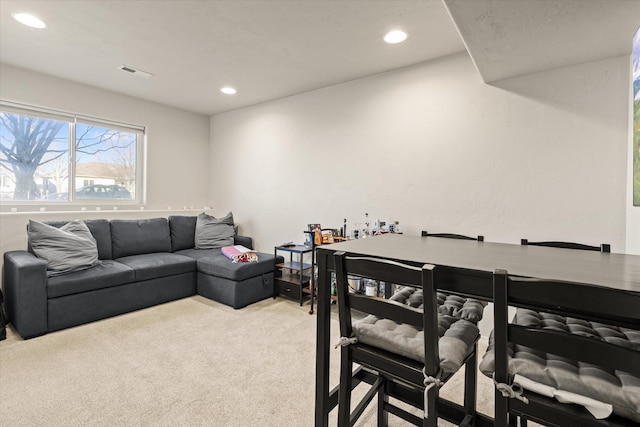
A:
[239,253]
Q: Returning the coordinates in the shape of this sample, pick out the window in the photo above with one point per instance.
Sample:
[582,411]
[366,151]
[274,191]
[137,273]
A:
[53,156]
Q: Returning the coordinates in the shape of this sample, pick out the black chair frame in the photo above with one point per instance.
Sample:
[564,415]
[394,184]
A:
[452,236]
[604,305]
[605,247]
[393,375]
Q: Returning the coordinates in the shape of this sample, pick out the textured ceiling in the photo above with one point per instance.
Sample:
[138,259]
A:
[266,49]
[273,49]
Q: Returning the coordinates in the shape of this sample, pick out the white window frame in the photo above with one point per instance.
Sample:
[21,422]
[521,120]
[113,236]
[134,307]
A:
[73,119]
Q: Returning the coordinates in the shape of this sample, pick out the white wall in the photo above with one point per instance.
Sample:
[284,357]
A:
[543,156]
[633,212]
[177,146]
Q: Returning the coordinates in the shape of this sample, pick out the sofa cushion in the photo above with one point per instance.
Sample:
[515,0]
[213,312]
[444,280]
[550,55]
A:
[199,253]
[183,231]
[135,237]
[66,249]
[214,263]
[159,264]
[100,230]
[212,232]
[204,253]
[104,275]
[245,241]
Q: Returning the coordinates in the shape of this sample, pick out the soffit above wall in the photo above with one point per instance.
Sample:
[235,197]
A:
[507,38]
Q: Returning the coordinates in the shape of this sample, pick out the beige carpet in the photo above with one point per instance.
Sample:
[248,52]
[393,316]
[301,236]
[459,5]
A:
[191,362]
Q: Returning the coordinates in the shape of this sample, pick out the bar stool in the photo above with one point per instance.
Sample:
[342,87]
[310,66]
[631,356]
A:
[575,357]
[404,351]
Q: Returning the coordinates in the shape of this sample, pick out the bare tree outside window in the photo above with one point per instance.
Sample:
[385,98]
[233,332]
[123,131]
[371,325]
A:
[35,153]
[27,144]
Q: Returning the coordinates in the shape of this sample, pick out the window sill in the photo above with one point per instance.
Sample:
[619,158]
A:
[93,211]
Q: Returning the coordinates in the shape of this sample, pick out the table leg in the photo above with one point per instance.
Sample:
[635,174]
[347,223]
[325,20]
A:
[275,272]
[301,260]
[312,283]
[323,335]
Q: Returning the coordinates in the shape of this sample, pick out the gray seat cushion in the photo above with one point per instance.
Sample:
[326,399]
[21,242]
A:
[617,388]
[452,305]
[214,263]
[104,275]
[135,237]
[457,335]
[160,264]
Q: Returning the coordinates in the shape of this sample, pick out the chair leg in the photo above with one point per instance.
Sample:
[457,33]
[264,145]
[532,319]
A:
[344,393]
[431,407]
[470,383]
[501,417]
[383,398]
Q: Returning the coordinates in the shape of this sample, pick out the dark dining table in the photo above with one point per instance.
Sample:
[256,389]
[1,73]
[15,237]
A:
[465,267]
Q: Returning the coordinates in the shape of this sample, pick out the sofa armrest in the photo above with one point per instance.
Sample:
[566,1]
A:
[24,278]
[245,241]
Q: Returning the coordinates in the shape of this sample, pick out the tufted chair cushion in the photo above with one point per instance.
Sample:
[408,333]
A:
[457,318]
[620,389]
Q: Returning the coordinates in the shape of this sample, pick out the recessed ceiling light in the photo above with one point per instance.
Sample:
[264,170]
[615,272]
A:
[29,20]
[397,36]
[228,90]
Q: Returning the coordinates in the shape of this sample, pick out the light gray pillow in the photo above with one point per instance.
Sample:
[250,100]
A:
[214,233]
[68,248]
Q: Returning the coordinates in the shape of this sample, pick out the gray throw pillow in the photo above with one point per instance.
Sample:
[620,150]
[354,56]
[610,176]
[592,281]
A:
[68,248]
[214,233]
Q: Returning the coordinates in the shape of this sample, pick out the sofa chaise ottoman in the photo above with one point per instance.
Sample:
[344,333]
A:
[219,279]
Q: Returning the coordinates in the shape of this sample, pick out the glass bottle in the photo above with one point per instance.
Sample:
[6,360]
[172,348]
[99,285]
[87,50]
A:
[365,230]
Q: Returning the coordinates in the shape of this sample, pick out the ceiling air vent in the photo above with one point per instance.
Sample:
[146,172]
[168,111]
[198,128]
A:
[135,71]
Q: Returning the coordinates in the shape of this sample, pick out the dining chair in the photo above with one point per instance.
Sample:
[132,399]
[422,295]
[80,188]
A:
[404,344]
[605,247]
[545,368]
[452,236]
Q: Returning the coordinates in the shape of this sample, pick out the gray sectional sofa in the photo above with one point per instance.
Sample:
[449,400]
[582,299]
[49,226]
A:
[142,263]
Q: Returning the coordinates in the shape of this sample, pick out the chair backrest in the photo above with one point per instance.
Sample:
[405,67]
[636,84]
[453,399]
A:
[605,247]
[452,236]
[572,300]
[395,272]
